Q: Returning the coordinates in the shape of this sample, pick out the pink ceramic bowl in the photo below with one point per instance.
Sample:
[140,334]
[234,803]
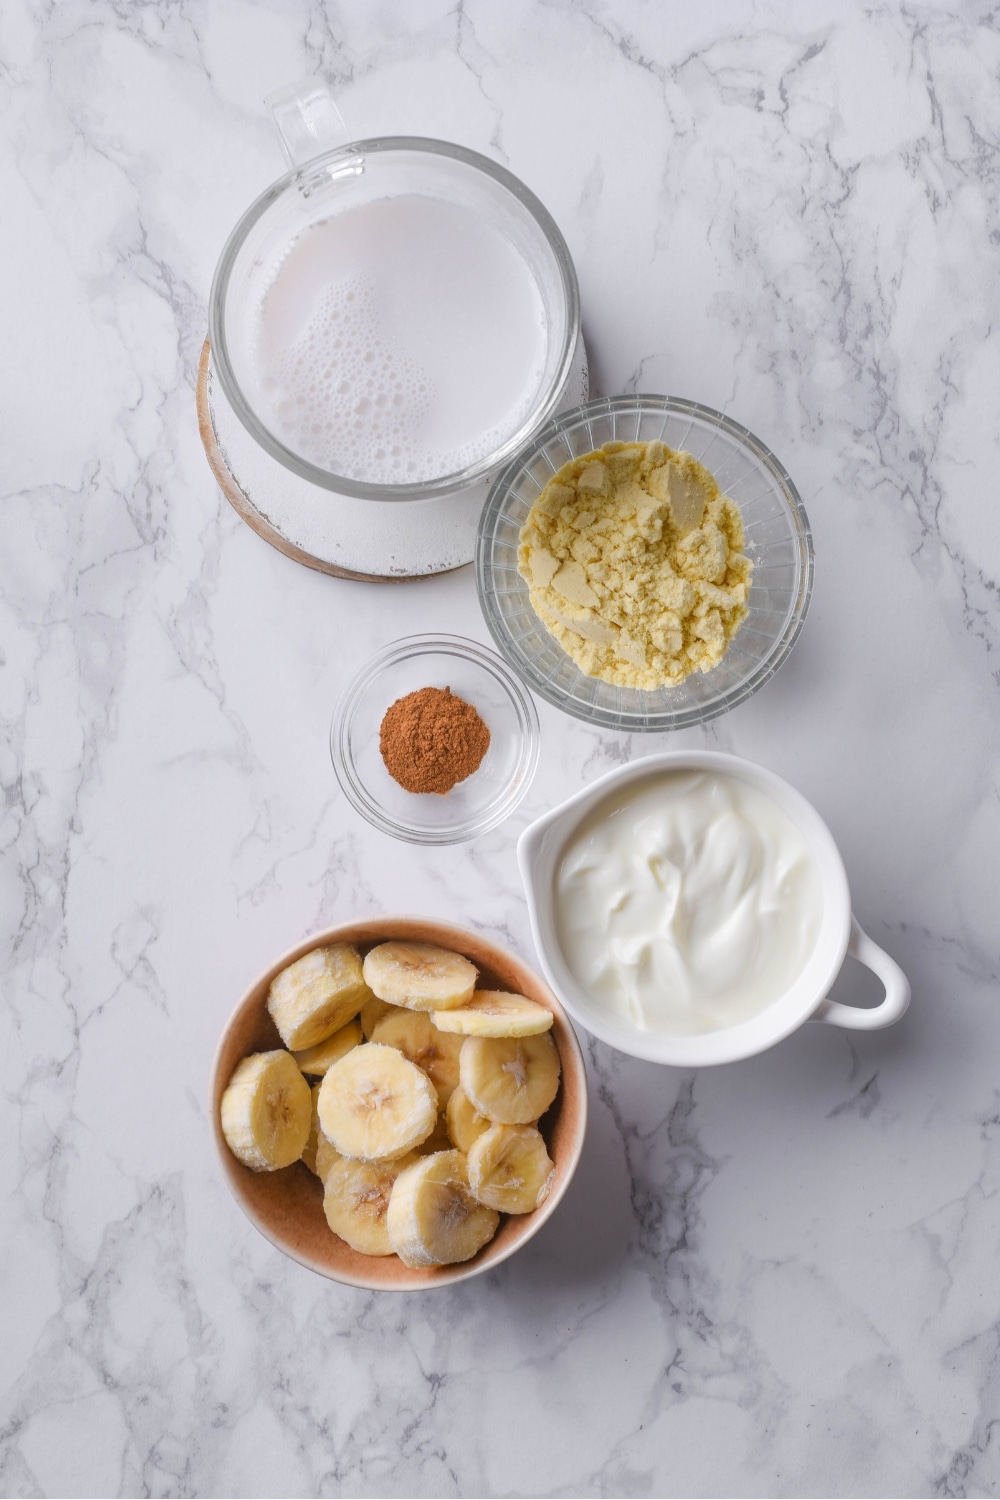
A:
[287,1206]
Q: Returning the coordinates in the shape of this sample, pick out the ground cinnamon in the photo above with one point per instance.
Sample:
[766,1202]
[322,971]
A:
[431,740]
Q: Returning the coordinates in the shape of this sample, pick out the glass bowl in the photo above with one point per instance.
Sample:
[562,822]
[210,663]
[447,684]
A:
[778,541]
[475,805]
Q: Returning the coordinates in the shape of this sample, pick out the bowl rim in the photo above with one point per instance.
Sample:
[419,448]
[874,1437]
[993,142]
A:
[642,719]
[528,727]
[541,844]
[416,928]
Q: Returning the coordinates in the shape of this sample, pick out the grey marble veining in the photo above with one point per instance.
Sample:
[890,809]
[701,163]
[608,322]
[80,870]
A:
[777,1278]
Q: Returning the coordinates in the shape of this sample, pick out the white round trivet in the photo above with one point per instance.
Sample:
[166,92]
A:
[381,541]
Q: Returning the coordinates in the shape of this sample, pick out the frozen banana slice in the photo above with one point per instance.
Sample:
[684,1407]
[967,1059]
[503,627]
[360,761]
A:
[356,1200]
[309,1149]
[438,1140]
[265,1111]
[325,1157]
[495,1013]
[465,1123]
[416,1036]
[318,1155]
[510,1169]
[510,1080]
[317,995]
[419,976]
[316,1061]
[374,1104]
[433,1219]
[372,1012]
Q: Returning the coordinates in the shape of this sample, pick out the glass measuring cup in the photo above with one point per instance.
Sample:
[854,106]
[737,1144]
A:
[331,175]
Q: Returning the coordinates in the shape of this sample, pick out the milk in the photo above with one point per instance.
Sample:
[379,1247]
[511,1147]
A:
[400,340]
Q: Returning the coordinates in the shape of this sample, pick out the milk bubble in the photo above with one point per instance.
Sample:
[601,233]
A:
[398,341]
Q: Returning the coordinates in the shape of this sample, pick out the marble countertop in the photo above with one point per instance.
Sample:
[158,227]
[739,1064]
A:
[775,1278]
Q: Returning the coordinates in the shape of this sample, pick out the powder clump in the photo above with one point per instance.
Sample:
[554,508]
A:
[431,740]
[635,563]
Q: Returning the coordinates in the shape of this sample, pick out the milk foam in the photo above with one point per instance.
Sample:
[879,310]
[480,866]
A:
[399,341]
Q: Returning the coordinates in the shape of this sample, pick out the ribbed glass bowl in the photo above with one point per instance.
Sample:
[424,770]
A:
[778,541]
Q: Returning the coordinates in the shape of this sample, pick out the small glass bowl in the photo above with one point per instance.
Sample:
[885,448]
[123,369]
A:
[778,541]
[475,805]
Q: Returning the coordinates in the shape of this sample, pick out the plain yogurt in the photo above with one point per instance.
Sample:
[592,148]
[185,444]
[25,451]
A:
[687,903]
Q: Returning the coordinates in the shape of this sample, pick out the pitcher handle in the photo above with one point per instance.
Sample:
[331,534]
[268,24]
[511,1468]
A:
[897,988]
[307,120]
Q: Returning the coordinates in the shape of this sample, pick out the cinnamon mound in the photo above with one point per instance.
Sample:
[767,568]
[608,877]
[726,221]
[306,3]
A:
[431,740]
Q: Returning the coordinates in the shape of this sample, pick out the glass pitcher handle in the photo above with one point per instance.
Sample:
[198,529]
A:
[307,120]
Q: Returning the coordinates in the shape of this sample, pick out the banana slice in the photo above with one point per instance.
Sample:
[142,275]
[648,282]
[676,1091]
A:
[419,976]
[510,1169]
[309,1149]
[317,995]
[318,1155]
[510,1080]
[326,1156]
[465,1123]
[433,1219]
[374,1104]
[356,1200]
[371,1012]
[495,1013]
[265,1111]
[438,1140]
[316,1061]
[416,1036]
